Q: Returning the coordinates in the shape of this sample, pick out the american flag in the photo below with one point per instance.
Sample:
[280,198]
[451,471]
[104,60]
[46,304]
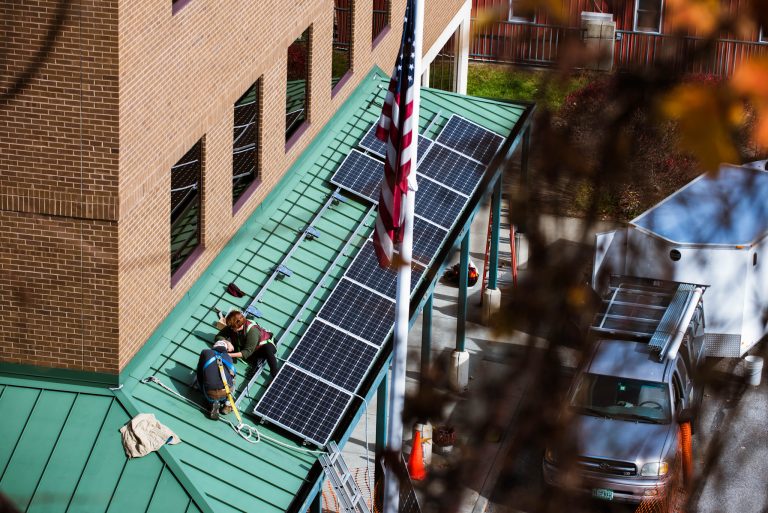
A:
[397,128]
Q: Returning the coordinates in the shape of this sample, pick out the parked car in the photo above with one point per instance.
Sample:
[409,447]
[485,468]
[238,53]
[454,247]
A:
[627,400]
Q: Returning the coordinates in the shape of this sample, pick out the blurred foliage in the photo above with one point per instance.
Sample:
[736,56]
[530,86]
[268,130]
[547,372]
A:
[603,146]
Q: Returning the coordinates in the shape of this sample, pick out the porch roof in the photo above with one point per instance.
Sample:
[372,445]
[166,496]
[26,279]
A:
[213,469]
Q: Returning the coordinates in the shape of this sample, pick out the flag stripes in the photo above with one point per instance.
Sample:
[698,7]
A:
[396,128]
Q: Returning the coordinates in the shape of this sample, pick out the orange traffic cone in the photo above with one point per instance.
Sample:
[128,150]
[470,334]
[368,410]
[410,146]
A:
[685,441]
[416,460]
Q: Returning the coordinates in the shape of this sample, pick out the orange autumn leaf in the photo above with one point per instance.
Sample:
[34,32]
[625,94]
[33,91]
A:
[751,78]
[487,16]
[704,123]
[760,132]
[750,81]
[699,16]
[555,8]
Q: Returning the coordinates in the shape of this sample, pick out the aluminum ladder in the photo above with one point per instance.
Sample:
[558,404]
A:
[350,497]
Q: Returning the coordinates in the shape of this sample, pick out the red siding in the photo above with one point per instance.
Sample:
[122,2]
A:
[538,43]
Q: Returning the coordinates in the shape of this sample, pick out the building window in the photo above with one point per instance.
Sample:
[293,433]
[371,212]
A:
[186,205]
[648,16]
[341,62]
[297,92]
[522,11]
[177,5]
[245,142]
[381,13]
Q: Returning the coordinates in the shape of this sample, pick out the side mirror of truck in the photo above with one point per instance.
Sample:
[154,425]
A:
[686,416]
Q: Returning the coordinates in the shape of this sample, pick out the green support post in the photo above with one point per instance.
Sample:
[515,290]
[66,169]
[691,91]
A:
[382,400]
[426,337]
[493,260]
[461,321]
[521,227]
[317,503]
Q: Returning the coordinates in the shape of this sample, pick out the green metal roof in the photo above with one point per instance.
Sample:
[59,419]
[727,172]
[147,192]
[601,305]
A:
[213,469]
[62,451]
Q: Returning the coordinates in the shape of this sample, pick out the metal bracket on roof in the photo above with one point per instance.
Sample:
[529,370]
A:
[312,232]
[338,198]
[284,271]
[253,312]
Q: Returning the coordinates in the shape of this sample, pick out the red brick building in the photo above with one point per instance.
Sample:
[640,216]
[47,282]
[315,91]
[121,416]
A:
[137,137]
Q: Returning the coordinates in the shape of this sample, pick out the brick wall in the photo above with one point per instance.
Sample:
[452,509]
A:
[59,185]
[179,77]
[58,306]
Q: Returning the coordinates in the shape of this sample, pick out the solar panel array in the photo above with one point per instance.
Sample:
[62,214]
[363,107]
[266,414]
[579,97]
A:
[316,385]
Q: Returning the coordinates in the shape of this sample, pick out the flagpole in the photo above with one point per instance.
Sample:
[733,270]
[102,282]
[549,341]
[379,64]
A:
[403,294]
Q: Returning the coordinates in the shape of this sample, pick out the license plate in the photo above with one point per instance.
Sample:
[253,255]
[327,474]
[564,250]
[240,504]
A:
[602,494]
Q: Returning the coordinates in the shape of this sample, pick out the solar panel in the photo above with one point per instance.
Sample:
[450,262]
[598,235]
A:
[333,355]
[303,405]
[427,239]
[470,139]
[360,174]
[359,311]
[365,269]
[452,169]
[438,204]
[371,143]
[314,388]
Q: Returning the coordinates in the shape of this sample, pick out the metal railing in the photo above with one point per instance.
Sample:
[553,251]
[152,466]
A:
[538,44]
[713,57]
[519,43]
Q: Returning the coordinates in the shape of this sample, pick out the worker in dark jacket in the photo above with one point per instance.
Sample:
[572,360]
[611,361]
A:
[250,341]
[210,380]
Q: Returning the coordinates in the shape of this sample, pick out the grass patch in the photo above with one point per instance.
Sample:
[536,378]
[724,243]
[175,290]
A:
[507,83]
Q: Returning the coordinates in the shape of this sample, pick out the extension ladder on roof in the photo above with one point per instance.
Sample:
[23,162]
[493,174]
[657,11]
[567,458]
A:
[349,495]
[649,311]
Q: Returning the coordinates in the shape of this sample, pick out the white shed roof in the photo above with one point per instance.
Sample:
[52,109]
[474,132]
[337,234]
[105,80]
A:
[729,208]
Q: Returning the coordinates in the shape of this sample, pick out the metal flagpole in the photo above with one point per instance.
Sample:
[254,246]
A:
[403,294]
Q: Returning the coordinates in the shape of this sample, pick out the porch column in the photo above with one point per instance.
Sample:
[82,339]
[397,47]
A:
[426,337]
[382,400]
[461,54]
[521,227]
[425,74]
[459,376]
[316,506]
[492,295]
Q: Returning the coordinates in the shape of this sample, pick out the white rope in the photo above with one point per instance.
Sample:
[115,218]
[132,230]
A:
[245,431]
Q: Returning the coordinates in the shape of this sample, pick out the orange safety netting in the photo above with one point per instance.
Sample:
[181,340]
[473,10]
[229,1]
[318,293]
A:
[363,481]
[681,471]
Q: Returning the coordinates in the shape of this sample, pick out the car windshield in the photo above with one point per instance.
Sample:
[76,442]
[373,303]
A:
[621,398]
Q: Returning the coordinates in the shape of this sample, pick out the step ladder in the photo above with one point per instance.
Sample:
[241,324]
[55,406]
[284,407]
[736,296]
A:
[350,497]
[510,241]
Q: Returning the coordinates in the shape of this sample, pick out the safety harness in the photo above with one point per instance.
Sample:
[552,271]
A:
[221,363]
[265,336]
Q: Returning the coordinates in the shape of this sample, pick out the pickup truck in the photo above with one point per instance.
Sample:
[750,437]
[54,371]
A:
[635,386]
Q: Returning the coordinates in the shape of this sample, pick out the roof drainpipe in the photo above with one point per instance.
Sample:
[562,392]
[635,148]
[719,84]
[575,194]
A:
[682,326]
